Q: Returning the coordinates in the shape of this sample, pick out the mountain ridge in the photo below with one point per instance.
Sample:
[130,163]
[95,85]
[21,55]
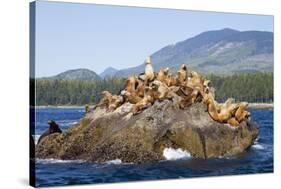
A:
[108,72]
[75,74]
[223,52]
[252,51]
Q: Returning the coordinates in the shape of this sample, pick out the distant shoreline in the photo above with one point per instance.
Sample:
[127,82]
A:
[251,105]
[261,105]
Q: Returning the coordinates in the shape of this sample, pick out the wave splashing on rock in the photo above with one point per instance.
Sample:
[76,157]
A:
[175,154]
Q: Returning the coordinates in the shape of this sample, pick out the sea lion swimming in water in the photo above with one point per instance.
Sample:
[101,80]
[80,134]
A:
[54,128]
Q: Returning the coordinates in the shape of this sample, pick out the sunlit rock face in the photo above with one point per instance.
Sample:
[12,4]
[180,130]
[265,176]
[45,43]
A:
[104,135]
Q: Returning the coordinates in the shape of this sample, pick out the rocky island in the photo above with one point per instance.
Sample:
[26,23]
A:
[155,111]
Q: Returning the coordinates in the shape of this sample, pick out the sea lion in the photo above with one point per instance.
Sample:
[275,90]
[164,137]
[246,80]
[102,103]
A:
[148,69]
[171,81]
[241,113]
[227,112]
[54,128]
[133,98]
[211,107]
[225,105]
[116,102]
[162,75]
[163,90]
[145,102]
[206,85]
[106,100]
[193,96]
[195,79]
[148,74]
[181,75]
[140,88]
[87,109]
[130,84]
[233,122]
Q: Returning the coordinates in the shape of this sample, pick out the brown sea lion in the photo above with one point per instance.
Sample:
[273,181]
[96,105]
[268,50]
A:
[53,128]
[145,102]
[171,81]
[181,75]
[189,99]
[241,113]
[116,102]
[133,97]
[211,107]
[163,90]
[233,122]
[130,84]
[140,88]
[195,79]
[106,99]
[227,112]
[162,75]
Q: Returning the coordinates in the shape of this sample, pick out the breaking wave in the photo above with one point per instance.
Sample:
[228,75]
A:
[50,161]
[174,154]
[115,161]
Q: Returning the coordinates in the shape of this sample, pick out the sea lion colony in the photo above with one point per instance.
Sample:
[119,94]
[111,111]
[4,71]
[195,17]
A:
[184,89]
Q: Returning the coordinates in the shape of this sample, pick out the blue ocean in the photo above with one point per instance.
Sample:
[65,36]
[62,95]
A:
[51,172]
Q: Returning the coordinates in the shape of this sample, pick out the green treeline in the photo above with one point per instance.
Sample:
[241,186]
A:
[74,92]
[257,87]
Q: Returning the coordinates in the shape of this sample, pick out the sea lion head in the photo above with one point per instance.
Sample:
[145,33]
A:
[147,60]
[207,83]
[166,71]
[105,93]
[248,115]
[183,67]
[194,74]
[54,127]
[244,104]
[156,82]
[155,85]
[51,122]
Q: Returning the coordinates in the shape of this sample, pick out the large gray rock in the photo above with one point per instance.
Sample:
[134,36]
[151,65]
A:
[102,136]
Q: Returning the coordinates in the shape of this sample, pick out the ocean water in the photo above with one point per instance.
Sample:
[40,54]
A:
[179,163]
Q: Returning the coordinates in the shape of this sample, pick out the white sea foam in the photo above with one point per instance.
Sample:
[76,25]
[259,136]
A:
[36,137]
[258,146]
[49,161]
[115,161]
[174,154]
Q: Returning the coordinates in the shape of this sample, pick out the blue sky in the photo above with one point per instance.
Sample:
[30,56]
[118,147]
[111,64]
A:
[71,35]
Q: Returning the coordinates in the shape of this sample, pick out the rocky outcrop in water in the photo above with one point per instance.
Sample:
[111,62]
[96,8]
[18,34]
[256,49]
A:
[104,135]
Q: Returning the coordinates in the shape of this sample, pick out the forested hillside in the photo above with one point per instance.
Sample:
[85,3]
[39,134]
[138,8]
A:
[255,87]
[225,52]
